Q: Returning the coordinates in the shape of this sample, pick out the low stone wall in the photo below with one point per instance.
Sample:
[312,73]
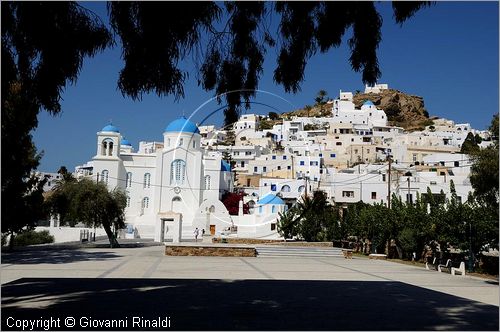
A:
[377,256]
[69,234]
[238,240]
[226,251]
[305,244]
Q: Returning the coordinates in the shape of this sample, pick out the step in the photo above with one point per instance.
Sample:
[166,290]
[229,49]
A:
[298,251]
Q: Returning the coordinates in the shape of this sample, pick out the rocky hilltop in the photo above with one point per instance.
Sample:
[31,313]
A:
[403,110]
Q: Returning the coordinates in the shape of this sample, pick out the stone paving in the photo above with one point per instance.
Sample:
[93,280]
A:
[356,294]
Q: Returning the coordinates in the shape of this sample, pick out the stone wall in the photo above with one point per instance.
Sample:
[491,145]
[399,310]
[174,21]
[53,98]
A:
[172,250]
[305,244]
[69,234]
[237,240]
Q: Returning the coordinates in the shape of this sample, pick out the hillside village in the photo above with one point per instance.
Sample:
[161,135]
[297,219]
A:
[348,147]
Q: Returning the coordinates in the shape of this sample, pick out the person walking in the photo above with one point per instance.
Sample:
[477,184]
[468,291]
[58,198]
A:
[196,232]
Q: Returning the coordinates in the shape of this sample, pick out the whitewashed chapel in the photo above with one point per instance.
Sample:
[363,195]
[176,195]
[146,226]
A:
[173,186]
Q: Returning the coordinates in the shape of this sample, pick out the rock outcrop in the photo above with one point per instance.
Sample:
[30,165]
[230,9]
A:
[403,110]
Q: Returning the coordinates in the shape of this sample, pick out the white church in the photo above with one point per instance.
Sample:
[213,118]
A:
[175,186]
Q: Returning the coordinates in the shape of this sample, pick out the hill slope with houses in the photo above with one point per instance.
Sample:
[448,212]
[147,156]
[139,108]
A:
[402,109]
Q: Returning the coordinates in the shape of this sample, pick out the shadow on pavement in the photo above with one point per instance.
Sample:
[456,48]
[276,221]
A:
[52,256]
[246,304]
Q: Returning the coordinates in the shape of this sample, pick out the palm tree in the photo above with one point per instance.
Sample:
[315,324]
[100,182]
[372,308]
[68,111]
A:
[320,97]
[311,218]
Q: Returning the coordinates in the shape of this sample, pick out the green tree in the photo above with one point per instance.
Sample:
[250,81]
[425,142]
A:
[470,144]
[494,128]
[274,116]
[310,126]
[485,169]
[311,218]
[43,47]
[90,203]
[288,223]
[321,98]
[265,125]
[21,190]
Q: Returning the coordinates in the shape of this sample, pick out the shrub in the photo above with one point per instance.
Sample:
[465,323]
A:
[427,122]
[273,116]
[265,125]
[489,264]
[311,126]
[32,237]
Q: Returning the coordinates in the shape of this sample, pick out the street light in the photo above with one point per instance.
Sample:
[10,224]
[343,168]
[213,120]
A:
[471,254]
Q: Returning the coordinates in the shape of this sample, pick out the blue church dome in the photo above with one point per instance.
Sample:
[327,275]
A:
[225,166]
[182,125]
[110,128]
[368,103]
[270,199]
[125,142]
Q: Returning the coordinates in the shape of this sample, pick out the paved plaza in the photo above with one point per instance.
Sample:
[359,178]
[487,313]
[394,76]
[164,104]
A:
[231,293]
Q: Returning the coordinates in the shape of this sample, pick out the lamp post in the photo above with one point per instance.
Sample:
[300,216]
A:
[471,254]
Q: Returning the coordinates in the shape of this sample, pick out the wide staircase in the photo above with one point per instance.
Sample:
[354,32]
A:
[288,251]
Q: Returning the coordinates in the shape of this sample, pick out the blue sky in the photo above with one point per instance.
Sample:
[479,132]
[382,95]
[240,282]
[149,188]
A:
[447,53]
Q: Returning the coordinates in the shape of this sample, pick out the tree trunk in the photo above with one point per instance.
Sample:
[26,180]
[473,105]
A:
[11,241]
[111,237]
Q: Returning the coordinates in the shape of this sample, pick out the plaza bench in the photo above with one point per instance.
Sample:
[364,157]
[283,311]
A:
[460,269]
[377,256]
[445,266]
[433,264]
[347,253]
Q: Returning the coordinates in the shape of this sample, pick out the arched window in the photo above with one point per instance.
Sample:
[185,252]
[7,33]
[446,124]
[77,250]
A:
[147,180]
[104,176]
[107,147]
[177,171]
[194,144]
[128,180]
[301,189]
[110,149]
[207,182]
[285,188]
[212,209]
[104,147]
[180,142]
[176,204]
[145,202]
[168,141]
[273,209]
[260,209]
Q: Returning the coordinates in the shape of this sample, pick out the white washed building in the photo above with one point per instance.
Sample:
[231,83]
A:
[168,183]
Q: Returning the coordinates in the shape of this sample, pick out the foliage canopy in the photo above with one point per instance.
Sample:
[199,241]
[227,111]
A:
[90,203]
